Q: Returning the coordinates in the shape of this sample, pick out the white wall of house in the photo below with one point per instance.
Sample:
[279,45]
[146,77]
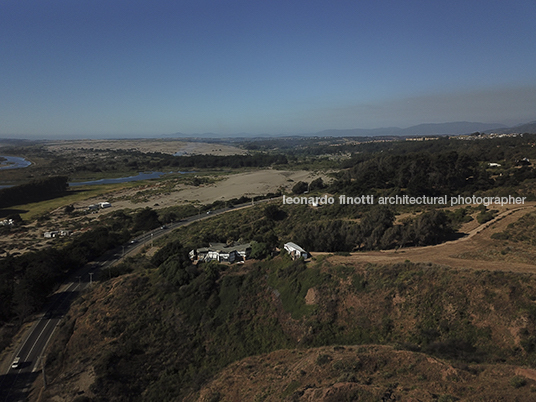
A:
[295,251]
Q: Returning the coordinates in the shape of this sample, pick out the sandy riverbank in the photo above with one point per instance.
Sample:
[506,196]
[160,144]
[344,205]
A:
[248,184]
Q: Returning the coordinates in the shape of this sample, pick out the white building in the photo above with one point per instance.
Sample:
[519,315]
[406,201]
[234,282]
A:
[221,252]
[295,251]
[56,233]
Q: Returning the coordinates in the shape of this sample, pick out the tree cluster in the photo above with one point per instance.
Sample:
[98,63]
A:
[415,174]
[34,191]
[27,280]
[174,265]
[304,187]
[376,230]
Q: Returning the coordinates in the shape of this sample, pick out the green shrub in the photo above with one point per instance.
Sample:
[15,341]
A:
[487,216]
[323,359]
[518,381]
[447,398]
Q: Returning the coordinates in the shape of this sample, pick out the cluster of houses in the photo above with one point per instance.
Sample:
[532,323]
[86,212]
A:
[7,222]
[222,252]
[485,136]
[422,138]
[56,233]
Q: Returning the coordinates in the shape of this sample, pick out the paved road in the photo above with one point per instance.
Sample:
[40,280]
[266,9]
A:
[15,384]
[113,256]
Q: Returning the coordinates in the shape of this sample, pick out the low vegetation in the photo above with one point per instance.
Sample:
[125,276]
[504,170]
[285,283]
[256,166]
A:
[523,231]
[331,228]
[362,373]
[162,332]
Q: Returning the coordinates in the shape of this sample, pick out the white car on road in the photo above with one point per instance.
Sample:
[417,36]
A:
[16,363]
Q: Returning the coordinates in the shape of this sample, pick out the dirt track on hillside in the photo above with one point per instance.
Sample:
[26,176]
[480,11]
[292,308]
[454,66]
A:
[477,239]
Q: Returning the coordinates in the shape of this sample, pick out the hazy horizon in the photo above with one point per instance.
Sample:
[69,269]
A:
[375,132]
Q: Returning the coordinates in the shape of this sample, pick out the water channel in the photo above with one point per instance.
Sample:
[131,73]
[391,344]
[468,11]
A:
[17,162]
[13,162]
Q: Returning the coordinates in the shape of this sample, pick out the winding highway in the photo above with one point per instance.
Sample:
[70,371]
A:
[16,383]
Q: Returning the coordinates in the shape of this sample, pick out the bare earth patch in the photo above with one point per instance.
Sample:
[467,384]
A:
[250,184]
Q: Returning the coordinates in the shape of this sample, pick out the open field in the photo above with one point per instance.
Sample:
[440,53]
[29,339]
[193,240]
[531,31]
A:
[34,210]
[170,146]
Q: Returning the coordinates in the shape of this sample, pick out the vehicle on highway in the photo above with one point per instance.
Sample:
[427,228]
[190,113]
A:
[16,363]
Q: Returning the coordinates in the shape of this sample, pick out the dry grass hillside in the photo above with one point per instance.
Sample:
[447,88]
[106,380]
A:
[284,330]
[365,373]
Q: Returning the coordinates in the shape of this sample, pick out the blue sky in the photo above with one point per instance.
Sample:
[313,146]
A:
[127,68]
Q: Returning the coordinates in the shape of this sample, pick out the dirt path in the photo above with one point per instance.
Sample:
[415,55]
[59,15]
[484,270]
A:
[477,239]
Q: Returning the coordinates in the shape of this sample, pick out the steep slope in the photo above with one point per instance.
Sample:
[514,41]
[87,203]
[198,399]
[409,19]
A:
[163,334]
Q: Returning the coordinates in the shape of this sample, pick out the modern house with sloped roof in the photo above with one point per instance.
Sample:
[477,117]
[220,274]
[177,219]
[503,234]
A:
[295,251]
[221,252]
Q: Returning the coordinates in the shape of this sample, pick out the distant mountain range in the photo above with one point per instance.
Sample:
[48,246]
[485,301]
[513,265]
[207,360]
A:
[521,128]
[453,128]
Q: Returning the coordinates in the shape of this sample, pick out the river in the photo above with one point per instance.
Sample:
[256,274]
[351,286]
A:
[13,162]
[16,162]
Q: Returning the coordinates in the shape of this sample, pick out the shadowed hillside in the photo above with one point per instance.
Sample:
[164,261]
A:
[163,333]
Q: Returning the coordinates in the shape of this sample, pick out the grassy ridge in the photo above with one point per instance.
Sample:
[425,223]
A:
[145,336]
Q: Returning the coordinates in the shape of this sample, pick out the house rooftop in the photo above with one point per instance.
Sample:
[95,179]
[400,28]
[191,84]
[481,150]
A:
[295,247]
